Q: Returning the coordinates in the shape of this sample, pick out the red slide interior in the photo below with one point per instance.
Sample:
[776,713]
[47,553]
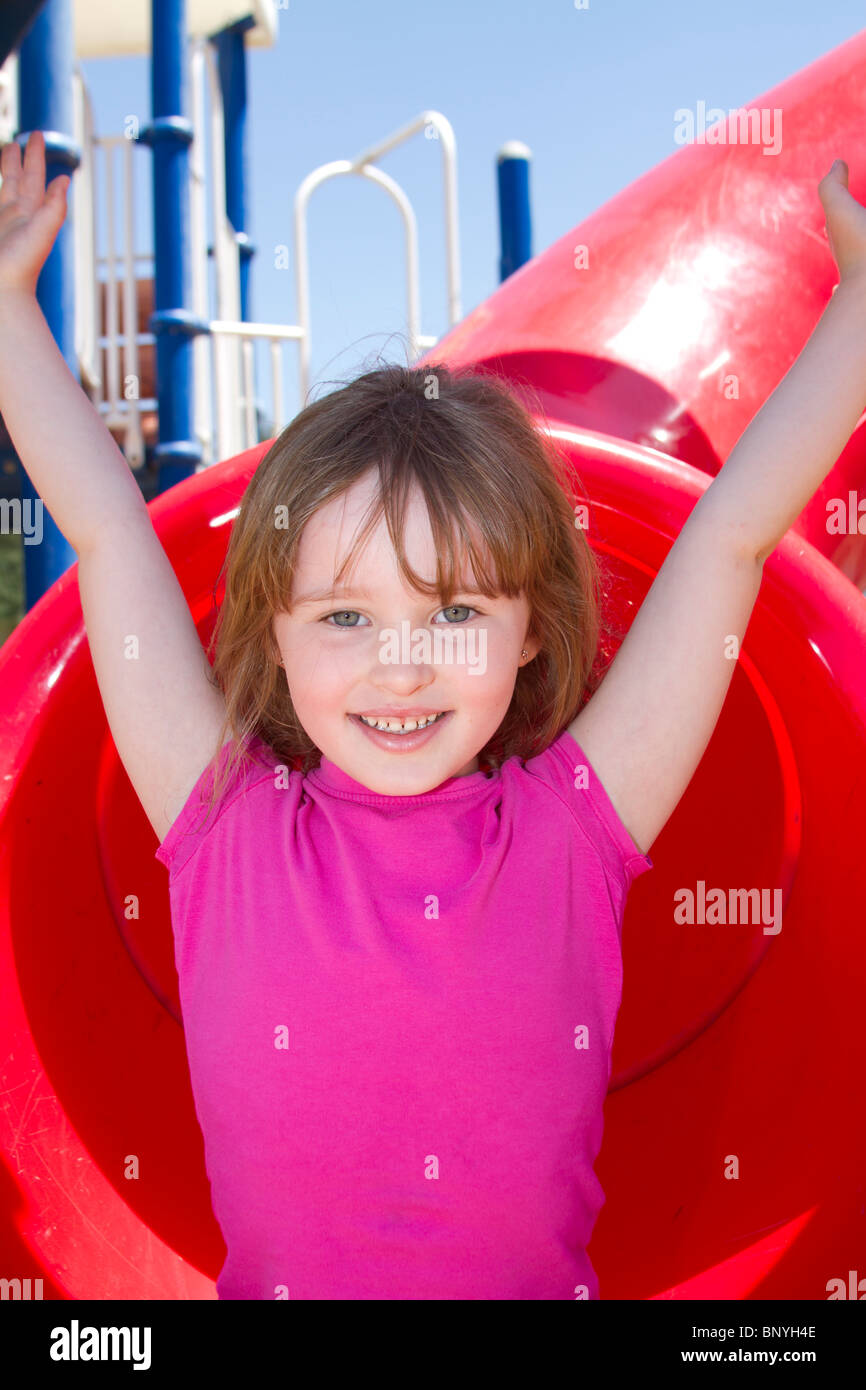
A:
[670,313]
[730,1042]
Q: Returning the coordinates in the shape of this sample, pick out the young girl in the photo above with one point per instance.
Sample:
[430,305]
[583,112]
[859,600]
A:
[399,837]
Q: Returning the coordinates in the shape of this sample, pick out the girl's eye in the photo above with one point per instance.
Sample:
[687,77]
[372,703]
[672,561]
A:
[458,607]
[343,613]
[351,613]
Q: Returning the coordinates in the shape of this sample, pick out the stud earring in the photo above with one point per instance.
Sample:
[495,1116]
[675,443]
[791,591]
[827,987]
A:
[523,653]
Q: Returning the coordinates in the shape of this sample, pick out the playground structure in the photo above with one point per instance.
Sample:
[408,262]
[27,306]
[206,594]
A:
[647,363]
[167,357]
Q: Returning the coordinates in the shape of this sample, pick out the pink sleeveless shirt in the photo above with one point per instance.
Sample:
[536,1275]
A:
[399,1013]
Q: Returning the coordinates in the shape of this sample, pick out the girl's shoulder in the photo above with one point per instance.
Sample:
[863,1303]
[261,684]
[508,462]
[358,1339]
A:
[564,769]
[233,774]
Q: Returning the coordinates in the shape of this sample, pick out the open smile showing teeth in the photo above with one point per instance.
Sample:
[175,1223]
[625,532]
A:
[400,726]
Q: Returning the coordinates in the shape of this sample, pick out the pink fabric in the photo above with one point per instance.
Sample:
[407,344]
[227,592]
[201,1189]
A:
[430,1129]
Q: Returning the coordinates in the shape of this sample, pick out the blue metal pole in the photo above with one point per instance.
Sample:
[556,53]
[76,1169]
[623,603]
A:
[515,216]
[169,136]
[232,68]
[45,103]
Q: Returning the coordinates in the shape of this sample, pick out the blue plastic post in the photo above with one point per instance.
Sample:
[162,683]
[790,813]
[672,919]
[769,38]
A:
[45,103]
[169,136]
[232,68]
[515,216]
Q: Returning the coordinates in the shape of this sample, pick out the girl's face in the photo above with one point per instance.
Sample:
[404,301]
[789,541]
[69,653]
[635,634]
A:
[378,646]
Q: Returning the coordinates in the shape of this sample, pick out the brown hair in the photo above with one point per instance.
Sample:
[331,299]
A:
[477,456]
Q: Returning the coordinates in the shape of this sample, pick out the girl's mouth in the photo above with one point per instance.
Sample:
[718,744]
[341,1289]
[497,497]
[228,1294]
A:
[395,742]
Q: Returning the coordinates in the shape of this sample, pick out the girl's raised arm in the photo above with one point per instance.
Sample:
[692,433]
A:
[153,674]
[645,729]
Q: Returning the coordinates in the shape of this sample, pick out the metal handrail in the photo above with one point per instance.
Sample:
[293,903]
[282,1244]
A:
[246,333]
[9,98]
[444,132]
[86,349]
[202,372]
[224,373]
[363,165]
[225,368]
[118,410]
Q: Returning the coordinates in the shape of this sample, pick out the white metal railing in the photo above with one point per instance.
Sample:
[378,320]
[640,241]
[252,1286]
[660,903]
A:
[225,387]
[224,402]
[115,392]
[224,405]
[364,165]
[9,99]
[246,333]
[217,364]
[84,238]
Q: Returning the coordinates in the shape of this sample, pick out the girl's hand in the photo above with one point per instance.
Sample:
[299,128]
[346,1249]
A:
[31,215]
[845,220]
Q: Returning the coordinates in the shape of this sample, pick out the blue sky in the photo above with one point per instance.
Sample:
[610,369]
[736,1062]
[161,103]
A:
[592,92]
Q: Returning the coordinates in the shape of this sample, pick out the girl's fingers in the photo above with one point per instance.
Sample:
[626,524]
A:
[832,181]
[24,181]
[57,189]
[10,168]
[33,175]
[26,184]
[835,181]
[52,209]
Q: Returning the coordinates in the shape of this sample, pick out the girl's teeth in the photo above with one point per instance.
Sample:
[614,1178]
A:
[398,726]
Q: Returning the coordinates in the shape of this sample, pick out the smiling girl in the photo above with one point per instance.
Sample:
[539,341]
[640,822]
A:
[397,885]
